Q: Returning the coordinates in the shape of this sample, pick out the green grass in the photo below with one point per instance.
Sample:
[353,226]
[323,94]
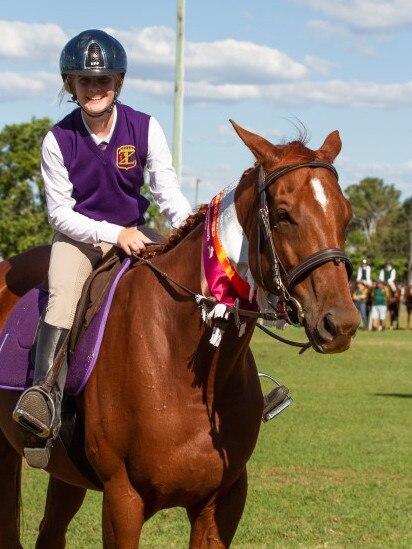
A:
[332,471]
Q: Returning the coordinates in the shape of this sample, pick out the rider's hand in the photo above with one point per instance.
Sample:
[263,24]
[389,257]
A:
[132,240]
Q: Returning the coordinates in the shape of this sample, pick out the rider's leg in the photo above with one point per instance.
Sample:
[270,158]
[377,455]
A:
[71,263]
[38,409]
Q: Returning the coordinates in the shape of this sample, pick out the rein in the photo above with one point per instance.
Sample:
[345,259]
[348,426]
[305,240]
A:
[234,309]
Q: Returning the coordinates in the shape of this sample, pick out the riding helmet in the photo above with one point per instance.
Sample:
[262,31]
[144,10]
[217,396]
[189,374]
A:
[93,52]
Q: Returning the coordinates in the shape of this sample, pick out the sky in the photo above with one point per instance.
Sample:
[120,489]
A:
[270,65]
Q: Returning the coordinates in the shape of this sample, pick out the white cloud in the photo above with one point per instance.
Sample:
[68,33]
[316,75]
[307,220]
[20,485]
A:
[319,66]
[399,175]
[14,86]
[338,93]
[220,71]
[30,42]
[152,50]
[240,62]
[151,54]
[366,15]
[333,93]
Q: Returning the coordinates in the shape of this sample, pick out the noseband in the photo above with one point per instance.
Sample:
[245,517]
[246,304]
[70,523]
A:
[283,285]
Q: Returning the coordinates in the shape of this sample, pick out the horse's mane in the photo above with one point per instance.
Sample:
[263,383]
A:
[177,235]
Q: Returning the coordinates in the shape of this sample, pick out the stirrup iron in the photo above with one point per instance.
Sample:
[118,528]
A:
[281,399]
[36,412]
[39,456]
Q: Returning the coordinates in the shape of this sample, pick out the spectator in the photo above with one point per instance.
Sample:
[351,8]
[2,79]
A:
[380,299]
[364,273]
[360,297]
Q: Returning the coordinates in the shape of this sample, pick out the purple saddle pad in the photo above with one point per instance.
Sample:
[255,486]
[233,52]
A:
[17,336]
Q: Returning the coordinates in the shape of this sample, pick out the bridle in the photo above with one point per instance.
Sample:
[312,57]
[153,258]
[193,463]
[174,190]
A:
[287,307]
[283,283]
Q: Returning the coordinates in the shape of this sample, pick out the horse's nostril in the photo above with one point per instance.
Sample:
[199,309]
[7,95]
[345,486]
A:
[329,324]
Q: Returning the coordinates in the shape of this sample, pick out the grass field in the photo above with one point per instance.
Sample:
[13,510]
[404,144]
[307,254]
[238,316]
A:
[332,471]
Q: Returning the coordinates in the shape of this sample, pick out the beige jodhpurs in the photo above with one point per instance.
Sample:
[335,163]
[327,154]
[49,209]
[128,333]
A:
[71,263]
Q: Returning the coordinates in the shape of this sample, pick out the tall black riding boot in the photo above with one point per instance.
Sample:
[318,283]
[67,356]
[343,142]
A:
[38,409]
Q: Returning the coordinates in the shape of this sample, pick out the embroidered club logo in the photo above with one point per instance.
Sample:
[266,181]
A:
[126,157]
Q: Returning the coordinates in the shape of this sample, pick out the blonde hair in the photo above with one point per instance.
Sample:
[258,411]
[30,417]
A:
[68,81]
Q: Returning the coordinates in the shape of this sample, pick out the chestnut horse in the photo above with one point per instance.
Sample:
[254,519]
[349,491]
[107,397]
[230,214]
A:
[170,419]
[407,299]
[394,305]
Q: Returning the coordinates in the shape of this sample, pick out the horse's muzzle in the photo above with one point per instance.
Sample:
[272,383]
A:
[334,331]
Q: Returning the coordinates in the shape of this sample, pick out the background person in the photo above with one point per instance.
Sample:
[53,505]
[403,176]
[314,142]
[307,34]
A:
[388,275]
[364,273]
[380,300]
[360,297]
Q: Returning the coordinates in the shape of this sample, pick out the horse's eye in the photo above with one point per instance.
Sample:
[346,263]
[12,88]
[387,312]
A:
[282,216]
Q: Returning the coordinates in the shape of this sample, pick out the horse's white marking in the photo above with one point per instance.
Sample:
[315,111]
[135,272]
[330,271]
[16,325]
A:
[319,192]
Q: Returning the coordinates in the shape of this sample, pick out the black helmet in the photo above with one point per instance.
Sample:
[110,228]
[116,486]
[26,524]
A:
[93,52]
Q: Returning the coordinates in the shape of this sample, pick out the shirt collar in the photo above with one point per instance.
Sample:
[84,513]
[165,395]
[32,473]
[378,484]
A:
[106,139]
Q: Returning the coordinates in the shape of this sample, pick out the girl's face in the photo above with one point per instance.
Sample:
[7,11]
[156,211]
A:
[94,93]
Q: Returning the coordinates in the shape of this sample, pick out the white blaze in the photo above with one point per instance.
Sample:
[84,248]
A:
[319,192]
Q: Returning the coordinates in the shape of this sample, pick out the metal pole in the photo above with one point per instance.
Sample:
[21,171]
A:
[179,81]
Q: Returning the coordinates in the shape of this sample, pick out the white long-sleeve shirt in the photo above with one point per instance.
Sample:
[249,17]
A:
[58,188]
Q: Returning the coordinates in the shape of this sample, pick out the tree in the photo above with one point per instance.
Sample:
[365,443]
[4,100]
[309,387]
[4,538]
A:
[23,217]
[375,204]
[407,206]
[154,219]
[378,230]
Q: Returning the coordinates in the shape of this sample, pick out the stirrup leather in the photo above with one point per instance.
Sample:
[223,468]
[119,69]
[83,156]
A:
[36,412]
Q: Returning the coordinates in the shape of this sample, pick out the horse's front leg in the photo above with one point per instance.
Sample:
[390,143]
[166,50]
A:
[214,524]
[62,503]
[123,513]
[10,482]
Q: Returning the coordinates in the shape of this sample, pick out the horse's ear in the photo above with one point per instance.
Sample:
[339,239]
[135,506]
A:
[330,148]
[263,150]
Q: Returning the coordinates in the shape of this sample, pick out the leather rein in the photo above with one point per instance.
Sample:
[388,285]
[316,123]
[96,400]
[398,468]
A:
[287,308]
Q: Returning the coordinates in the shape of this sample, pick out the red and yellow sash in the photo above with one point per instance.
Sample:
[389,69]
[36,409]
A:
[224,282]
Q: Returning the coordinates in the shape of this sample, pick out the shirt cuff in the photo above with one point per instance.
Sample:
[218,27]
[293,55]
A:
[109,232]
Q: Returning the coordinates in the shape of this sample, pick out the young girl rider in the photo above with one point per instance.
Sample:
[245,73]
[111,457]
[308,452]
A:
[92,164]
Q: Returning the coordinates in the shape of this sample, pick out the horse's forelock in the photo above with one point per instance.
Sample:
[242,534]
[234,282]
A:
[295,152]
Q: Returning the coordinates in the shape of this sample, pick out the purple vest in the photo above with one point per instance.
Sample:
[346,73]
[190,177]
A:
[106,184]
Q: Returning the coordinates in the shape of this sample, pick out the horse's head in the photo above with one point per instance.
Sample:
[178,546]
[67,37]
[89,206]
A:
[295,217]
